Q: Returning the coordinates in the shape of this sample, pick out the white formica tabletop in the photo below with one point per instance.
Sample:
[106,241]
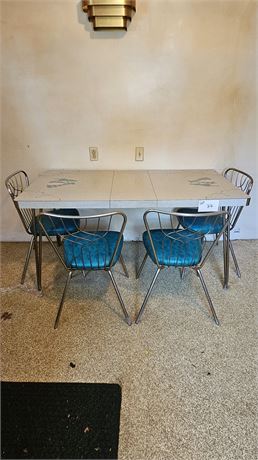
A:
[129,189]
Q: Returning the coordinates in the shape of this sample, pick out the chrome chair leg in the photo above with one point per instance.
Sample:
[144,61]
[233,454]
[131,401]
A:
[25,268]
[121,259]
[182,272]
[141,266]
[199,274]
[234,259]
[127,317]
[85,273]
[226,245]
[63,298]
[147,296]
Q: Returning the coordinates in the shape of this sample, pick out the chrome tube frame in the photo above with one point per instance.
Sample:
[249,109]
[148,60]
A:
[244,182]
[141,266]
[138,318]
[225,215]
[200,276]
[16,183]
[198,236]
[27,259]
[68,279]
[127,317]
[122,262]
[37,250]
[234,259]
[85,270]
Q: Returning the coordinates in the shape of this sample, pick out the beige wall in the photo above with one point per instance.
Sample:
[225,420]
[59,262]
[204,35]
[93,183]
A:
[181,83]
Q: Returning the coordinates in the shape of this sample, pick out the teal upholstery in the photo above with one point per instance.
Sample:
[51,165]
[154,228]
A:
[94,250]
[178,248]
[200,224]
[55,226]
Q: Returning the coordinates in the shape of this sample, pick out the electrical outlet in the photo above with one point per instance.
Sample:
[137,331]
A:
[94,154]
[139,153]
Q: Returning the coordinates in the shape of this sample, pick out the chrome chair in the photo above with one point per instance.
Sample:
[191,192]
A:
[95,245]
[170,246]
[16,183]
[242,181]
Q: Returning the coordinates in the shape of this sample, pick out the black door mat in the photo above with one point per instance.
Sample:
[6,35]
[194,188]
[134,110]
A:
[60,420]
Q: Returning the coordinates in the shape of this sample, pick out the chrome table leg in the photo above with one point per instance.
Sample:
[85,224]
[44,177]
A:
[37,251]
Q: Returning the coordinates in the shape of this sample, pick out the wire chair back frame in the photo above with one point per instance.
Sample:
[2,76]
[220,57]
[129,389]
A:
[16,184]
[80,234]
[224,213]
[197,266]
[244,182]
[80,218]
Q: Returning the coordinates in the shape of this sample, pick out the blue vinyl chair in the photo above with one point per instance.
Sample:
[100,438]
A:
[242,181]
[94,246]
[170,246]
[16,183]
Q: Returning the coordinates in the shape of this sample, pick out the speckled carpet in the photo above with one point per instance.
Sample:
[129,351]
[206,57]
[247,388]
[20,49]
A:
[189,387]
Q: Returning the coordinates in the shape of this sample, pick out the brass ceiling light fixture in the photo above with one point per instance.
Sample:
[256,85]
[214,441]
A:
[109,14]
